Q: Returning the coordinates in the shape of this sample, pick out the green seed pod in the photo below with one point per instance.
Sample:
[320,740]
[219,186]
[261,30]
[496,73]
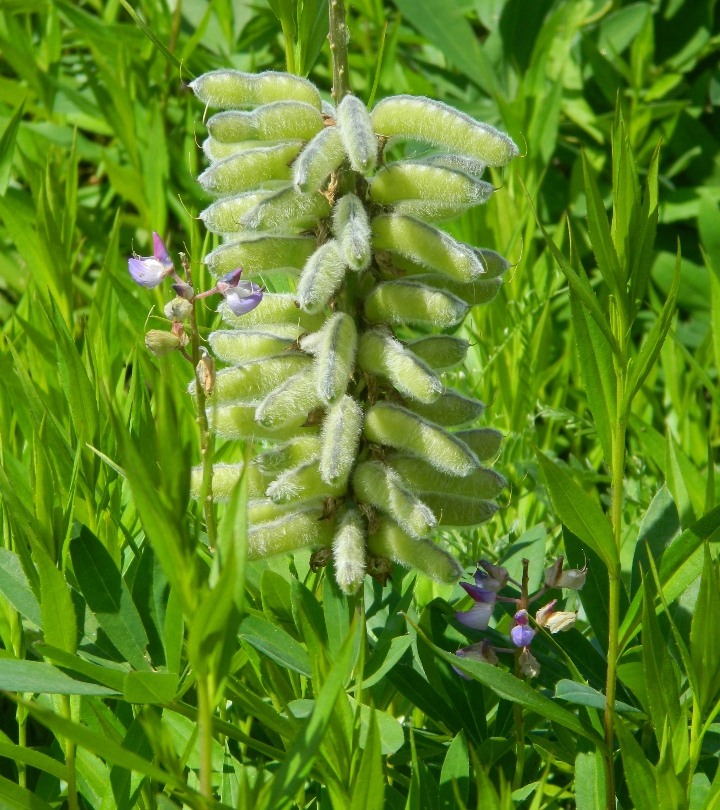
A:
[260,255]
[301,483]
[356,131]
[461,163]
[235,347]
[392,542]
[318,160]
[335,357]
[349,552]
[421,476]
[426,245]
[289,403]
[484,442]
[277,121]
[381,487]
[294,531]
[450,410]
[340,439]
[291,454]
[262,510]
[224,215]
[454,510]
[322,275]
[473,294]
[275,308]
[417,181]
[231,89]
[238,422]
[255,379]
[215,151]
[398,427]
[380,353]
[423,119]
[439,351]
[225,478]
[407,302]
[286,208]
[352,229]
[495,264]
[251,168]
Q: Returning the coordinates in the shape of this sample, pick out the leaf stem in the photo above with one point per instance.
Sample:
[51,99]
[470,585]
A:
[338,36]
[205,722]
[70,760]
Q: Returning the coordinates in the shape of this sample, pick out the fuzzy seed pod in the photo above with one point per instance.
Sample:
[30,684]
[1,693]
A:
[238,422]
[392,542]
[356,131]
[381,487]
[426,245]
[349,552]
[286,208]
[439,351]
[291,454]
[454,510]
[407,302]
[256,378]
[225,478]
[421,477]
[231,89]
[495,264]
[235,347]
[301,483]
[484,442]
[263,510]
[277,121]
[260,255]
[249,169]
[276,308]
[461,163]
[289,533]
[322,275]
[318,160]
[340,439]
[290,403]
[380,353]
[450,410]
[215,151]
[423,119]
[335,357]
[473,294]
[224,215]
[352,229]
[402,429]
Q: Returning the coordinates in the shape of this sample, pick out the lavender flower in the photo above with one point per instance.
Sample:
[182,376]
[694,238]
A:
[150,271]
[491,577]
[243,297]
[478,617]
[522,634]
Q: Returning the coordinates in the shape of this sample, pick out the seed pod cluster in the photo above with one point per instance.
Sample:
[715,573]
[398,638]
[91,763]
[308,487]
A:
[368,450]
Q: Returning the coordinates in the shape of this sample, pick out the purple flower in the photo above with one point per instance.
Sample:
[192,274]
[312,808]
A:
[478,617]
[149,271]
[522,634]
[491,577]
[243,297]
[160,252]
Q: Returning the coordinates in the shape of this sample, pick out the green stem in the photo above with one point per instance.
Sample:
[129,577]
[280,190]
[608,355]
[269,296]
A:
[205,722]
[289,47]
[70,760]
[338,36]
[517,708]
[22,742]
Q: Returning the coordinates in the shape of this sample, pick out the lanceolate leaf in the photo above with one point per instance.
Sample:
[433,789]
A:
[7,146]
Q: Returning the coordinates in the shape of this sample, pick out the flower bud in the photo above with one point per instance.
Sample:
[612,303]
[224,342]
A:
[522,634]
[179,309]
[183,290]
[491,577]
[161,343]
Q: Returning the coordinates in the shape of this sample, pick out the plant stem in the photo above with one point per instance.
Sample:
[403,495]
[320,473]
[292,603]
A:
[205,722]
[22,742]
[517,708]
[70,760]
[338,36]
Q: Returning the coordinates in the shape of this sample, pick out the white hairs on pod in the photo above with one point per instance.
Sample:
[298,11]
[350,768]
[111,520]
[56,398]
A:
[235,347]
[349,552]
[413,304]
[289,402]
[233,89]
[215,151]
[457,511]
[277,121]
[461,163]
[328,109]
[225,478]
[289,533]
[286,208]
[223,216]
[382,354]
[238,422]
[439,351]
[262,510]
[249,169]
[452,409]
[323,274]
[422,476]
[323,155]
[356,131]
[275,309]
[352,229]
[335,357]
[417,180]
[261,254]
[303,482]
[340,439]
[290,454]
[484,442]
[425,119]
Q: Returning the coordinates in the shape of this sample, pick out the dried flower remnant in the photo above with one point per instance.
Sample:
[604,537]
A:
[555,621]
[572,578]
[483,651]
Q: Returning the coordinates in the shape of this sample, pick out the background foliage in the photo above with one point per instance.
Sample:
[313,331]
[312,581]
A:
[100,148]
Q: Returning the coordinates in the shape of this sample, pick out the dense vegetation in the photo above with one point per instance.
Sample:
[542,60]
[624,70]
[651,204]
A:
[140,666]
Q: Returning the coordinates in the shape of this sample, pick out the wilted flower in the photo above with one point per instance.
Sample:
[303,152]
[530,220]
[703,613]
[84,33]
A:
[573,578]
[205,371]
[522,634]
[477,652]
[179,309]
[243,297]
[184,290]
[528,664]
[162,343]
[478,617]
[149,271]
[553,620]
[491,577]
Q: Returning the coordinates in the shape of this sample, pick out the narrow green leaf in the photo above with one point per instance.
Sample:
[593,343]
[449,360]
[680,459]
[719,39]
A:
[583,695]
[368,792]
[678,485]
[455,773]
[275,643]
[7,147]
[17,796]
[15,587]
[639,772]
[704,638]
[589,778]
[37,677]
[110,677]
[35,759]
[158,688]
[58,611]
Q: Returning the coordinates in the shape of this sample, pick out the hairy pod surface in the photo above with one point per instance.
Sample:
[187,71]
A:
[238,422]
[439,351]
[484,442]
[225,479]
[323,155]
[356,131]
[392,542]
[352,230]
[461,163]
[421,476]
[378,485]
[301,483]
[286,208]
[277,121]
[322,275]
[263,510]
[426,245]
[349,551]
[290,454]
[224,215]
[232,89]
[260,254]
[423,119]
[473,294]
[276,308]
[402,429]
[457,511]
[335,357]
[340,440]
[381,354]
[250,168]
[289,402]
[408,302]
[235,347]
[216,151]
[291,532]
[452,409]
